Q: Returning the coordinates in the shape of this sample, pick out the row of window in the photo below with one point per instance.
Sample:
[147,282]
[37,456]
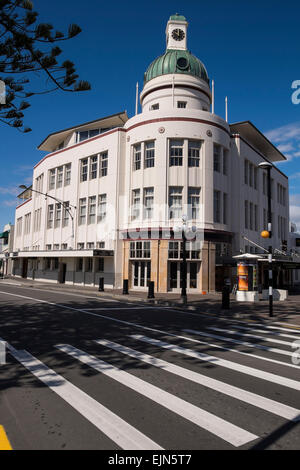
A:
[80,246]
[175,203]
[142,249]
[90,211]
[58,215]
[251,216]
[60,176]
[84,135]
[251,174]
[220,159]
[89,166]
[180,104]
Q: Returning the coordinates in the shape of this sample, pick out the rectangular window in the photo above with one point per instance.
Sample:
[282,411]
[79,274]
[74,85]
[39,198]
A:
[251,216]
[66,214]
[89,265]
[80,246]
[68,174]
[56,246]
[251,175]
[103,164]
[137,156]
[255,178]
[194,153]
[101,207]
[92,210]
[181,104]
[217,158]
[93,167]
[148,202]
[246,171]
[176,152]
[57,215]
[27,223]
[90,245]
[225,162]
[154,106]
[59,177]
[100,265]
[175,202]
[19,226]
[217,207]
[225,209]
[64,246]
[79,264]
[255,217]
[50,216]
[194,202]
[52,178]
[136,200]
[246,215]
[84,170]
[140,249]
[82,211]
[149,154]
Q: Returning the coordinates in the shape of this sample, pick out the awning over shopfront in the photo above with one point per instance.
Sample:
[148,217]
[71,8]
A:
[62,254]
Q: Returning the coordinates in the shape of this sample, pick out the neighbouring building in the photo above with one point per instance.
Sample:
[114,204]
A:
[126,182]
[6,249]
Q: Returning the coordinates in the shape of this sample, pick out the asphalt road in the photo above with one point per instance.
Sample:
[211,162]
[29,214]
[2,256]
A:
[89,373]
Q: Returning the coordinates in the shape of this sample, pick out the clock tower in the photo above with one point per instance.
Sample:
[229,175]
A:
[176,32]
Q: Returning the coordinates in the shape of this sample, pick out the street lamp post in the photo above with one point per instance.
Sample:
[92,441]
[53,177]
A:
[184,264]
[268,167]
[63,203]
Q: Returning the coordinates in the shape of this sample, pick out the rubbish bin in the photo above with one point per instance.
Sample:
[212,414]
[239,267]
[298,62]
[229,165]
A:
[101,284]
[125,286]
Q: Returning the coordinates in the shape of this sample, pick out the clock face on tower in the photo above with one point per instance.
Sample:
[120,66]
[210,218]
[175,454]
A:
[178,34]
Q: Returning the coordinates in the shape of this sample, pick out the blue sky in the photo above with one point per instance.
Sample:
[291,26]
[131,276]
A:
[251,49]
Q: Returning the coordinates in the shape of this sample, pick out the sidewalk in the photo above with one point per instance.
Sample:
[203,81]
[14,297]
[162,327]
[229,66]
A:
[286,311]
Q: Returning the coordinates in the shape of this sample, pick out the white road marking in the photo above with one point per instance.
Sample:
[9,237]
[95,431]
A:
[290,383]
[265,331]
[259,401]
[249,335]
[242,343]
[147,328]
[118,430]
[221,428]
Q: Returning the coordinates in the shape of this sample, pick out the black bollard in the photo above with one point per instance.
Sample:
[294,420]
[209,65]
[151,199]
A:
[101,284]
[151,290]
[226,297]
[125,286]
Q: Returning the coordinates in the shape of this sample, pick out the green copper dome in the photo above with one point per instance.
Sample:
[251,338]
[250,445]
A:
[176,61]
[177,17]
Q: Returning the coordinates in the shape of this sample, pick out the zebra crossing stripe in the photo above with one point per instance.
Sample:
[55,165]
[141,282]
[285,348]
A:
[290,383]
[249,335]
[265,331]
[259,401]
[243,343]
[118,430]
[217,426]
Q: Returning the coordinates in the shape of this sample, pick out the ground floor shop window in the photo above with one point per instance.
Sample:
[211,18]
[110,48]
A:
[175,275]
[141,273]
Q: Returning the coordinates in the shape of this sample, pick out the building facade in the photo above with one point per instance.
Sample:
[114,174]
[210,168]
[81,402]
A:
[117,189]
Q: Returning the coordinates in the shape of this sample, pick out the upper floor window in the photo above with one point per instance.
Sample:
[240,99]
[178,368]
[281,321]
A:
[50,216]
[93,167]
[67,174]
[136,200]
[194,153]
[154,106]
[84,135]
[103,163]
[137,156]
[194,202]
[175,202]
[181,104]
[225,162]
[92,210]
[217,158]
[66,214]
[84,170]
[27,223]
[149,154]
[101,207]
[217,206]
[148,202]
[59,176]
[57,215]
[39,183]
[52,178]
[176,152]
[82,211]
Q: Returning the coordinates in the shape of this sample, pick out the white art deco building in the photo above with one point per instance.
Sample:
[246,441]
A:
[125,184]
